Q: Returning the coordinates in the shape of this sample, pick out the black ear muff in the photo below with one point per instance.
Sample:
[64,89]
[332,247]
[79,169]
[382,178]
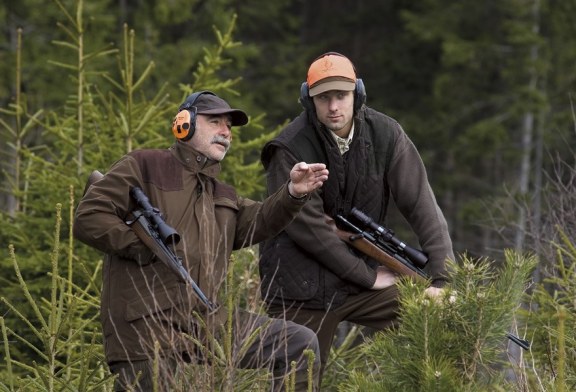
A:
[305,98]
[359,95]
[184,124]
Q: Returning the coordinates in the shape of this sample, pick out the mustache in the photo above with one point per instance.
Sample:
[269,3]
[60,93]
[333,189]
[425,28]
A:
[222,141]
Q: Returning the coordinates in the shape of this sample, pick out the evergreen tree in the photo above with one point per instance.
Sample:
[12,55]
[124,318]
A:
[108,113]
[452,344]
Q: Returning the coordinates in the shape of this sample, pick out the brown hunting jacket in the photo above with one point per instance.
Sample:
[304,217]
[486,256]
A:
[143,302]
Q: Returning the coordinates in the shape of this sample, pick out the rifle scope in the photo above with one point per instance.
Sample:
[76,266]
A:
[380,232]
[168,234]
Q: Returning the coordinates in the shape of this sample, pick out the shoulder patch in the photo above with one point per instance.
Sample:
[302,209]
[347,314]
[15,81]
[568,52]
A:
[159,168]
[225,191]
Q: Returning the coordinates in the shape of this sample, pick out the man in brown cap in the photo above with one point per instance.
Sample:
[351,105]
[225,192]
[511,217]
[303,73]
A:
[308,274]
[153,322]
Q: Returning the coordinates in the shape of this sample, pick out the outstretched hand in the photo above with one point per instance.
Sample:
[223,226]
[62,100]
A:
[306,177]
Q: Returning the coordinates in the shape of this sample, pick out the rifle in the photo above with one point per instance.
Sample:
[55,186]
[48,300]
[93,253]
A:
[382,245]
[158,236]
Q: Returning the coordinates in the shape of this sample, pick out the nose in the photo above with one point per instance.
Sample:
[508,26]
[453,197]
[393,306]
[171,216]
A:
[333,104]
[225,129]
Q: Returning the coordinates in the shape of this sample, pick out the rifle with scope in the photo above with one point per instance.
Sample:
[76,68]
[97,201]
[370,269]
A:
[148,224]
[381,244]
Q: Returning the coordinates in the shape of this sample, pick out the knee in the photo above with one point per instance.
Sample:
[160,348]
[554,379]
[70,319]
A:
[306,339]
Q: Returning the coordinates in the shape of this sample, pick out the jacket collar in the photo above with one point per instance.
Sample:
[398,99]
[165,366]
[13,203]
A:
[193,161]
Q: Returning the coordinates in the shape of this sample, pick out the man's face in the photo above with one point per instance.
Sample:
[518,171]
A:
[213,135]
[335,109]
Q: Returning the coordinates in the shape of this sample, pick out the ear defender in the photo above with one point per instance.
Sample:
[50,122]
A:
[305,99]
[183,126]
[359,95]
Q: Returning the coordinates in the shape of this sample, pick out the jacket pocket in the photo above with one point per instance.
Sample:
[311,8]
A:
[287,271]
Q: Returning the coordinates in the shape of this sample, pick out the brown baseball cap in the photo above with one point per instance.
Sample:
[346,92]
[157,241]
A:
[331,72]
[209,103]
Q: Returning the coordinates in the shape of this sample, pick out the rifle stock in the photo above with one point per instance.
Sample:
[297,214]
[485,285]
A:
[359,242]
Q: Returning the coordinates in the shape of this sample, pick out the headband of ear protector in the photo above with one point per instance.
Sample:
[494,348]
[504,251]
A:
[184,124]
[359,91]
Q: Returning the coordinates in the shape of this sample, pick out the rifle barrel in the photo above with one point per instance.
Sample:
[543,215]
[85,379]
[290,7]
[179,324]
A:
[384,234]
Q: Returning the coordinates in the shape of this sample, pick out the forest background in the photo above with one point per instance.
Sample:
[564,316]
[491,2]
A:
[484,89]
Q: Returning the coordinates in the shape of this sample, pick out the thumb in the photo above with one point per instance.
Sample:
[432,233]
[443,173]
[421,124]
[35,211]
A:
[302,166]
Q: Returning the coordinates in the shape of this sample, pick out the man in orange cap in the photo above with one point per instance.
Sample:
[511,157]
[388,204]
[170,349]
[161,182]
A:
[308,274]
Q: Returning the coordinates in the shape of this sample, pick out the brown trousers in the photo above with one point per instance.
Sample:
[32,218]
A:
[376,309]
[278,344]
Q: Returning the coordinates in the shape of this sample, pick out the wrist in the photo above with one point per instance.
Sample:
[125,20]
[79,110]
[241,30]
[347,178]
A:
[293,194]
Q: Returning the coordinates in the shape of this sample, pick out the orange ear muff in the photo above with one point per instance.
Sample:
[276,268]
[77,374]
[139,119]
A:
[182,126]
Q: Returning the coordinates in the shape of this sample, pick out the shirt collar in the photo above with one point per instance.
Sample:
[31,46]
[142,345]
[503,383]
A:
[344,144]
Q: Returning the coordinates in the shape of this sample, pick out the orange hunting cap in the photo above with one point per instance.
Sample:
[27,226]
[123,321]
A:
[331,72]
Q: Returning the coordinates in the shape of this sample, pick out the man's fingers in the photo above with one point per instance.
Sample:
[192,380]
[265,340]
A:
[306,177]
[303,166]
[315,166]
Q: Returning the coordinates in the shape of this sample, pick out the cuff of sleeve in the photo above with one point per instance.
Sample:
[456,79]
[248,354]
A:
[439,283]
[299,199]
